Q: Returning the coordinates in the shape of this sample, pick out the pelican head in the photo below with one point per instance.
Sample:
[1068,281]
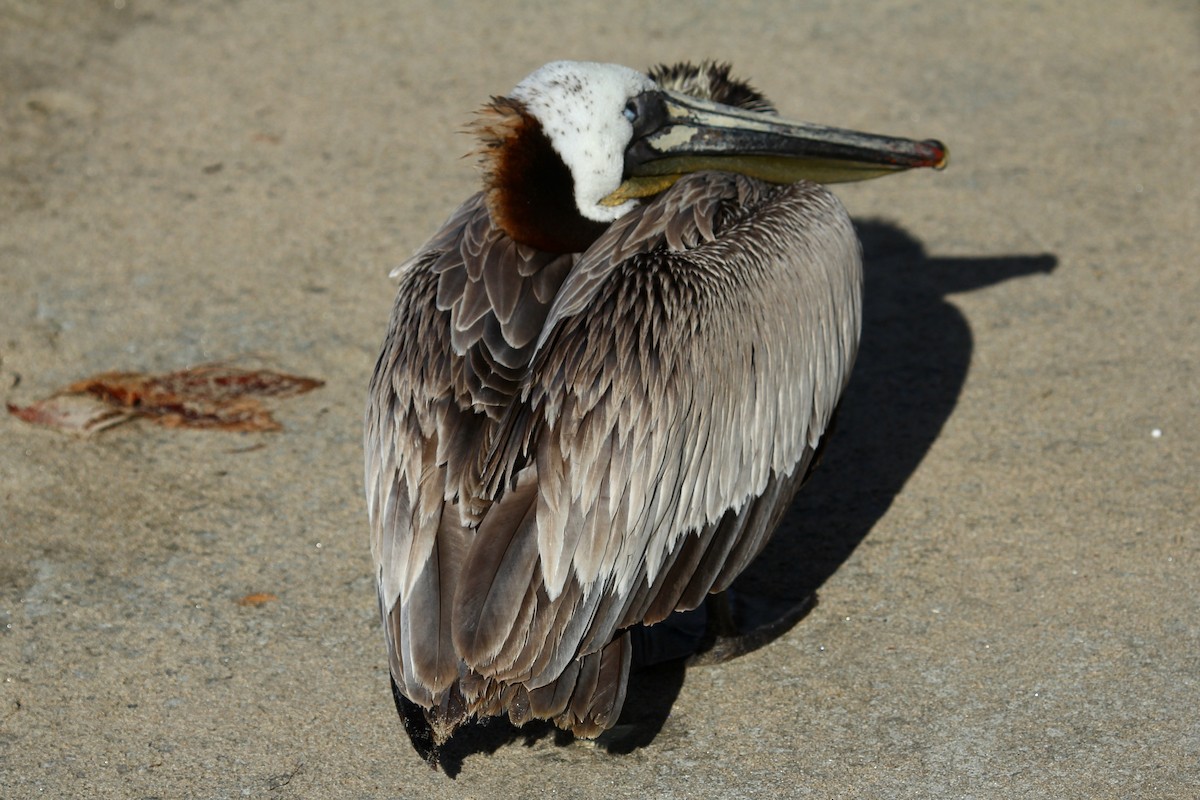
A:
[577,145]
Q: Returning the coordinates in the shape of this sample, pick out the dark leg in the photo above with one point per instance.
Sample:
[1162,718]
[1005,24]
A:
[732,634]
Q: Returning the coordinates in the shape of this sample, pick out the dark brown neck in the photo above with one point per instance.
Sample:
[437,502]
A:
[530,193]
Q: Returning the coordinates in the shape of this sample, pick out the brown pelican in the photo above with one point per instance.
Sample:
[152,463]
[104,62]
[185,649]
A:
[603,381]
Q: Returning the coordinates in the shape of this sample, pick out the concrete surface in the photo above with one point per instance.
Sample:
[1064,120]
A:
[1003,538]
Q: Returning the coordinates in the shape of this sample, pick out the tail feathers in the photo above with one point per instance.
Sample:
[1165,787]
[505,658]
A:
[599,692]
[430,728]
[586,700]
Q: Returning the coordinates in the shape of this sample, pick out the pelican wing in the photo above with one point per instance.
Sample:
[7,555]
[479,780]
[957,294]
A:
[468,310]
[684,377]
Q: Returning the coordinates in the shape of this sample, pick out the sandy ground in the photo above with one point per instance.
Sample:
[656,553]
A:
[1004,535]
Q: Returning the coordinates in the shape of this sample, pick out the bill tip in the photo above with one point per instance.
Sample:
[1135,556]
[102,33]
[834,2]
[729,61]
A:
[940,154]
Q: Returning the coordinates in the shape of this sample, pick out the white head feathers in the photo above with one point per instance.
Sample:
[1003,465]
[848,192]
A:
[581,107]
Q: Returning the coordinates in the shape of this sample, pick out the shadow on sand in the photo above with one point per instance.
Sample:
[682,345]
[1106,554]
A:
[915,353]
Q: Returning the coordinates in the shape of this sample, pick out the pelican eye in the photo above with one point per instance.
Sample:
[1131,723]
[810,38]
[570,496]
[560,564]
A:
[631,111]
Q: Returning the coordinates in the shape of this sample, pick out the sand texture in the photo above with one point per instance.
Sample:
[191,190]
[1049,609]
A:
[1003,536]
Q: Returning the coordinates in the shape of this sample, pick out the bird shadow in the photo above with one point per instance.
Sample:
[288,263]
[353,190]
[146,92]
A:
[913,361]
[915,353]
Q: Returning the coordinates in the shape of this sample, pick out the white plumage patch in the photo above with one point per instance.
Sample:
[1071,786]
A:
[581,107]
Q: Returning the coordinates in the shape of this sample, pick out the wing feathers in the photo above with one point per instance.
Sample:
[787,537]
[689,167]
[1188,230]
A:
[426,611]
[569,445]
[497,574]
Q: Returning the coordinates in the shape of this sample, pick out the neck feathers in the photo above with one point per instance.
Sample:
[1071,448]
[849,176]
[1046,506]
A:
[529,190]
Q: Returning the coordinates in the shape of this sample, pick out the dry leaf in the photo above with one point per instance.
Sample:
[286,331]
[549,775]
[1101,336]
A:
[208,396]
[256,599]
[79,413]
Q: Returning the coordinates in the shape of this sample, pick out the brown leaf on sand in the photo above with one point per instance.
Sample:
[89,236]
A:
[79,413]
[256,599]
[210,396]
